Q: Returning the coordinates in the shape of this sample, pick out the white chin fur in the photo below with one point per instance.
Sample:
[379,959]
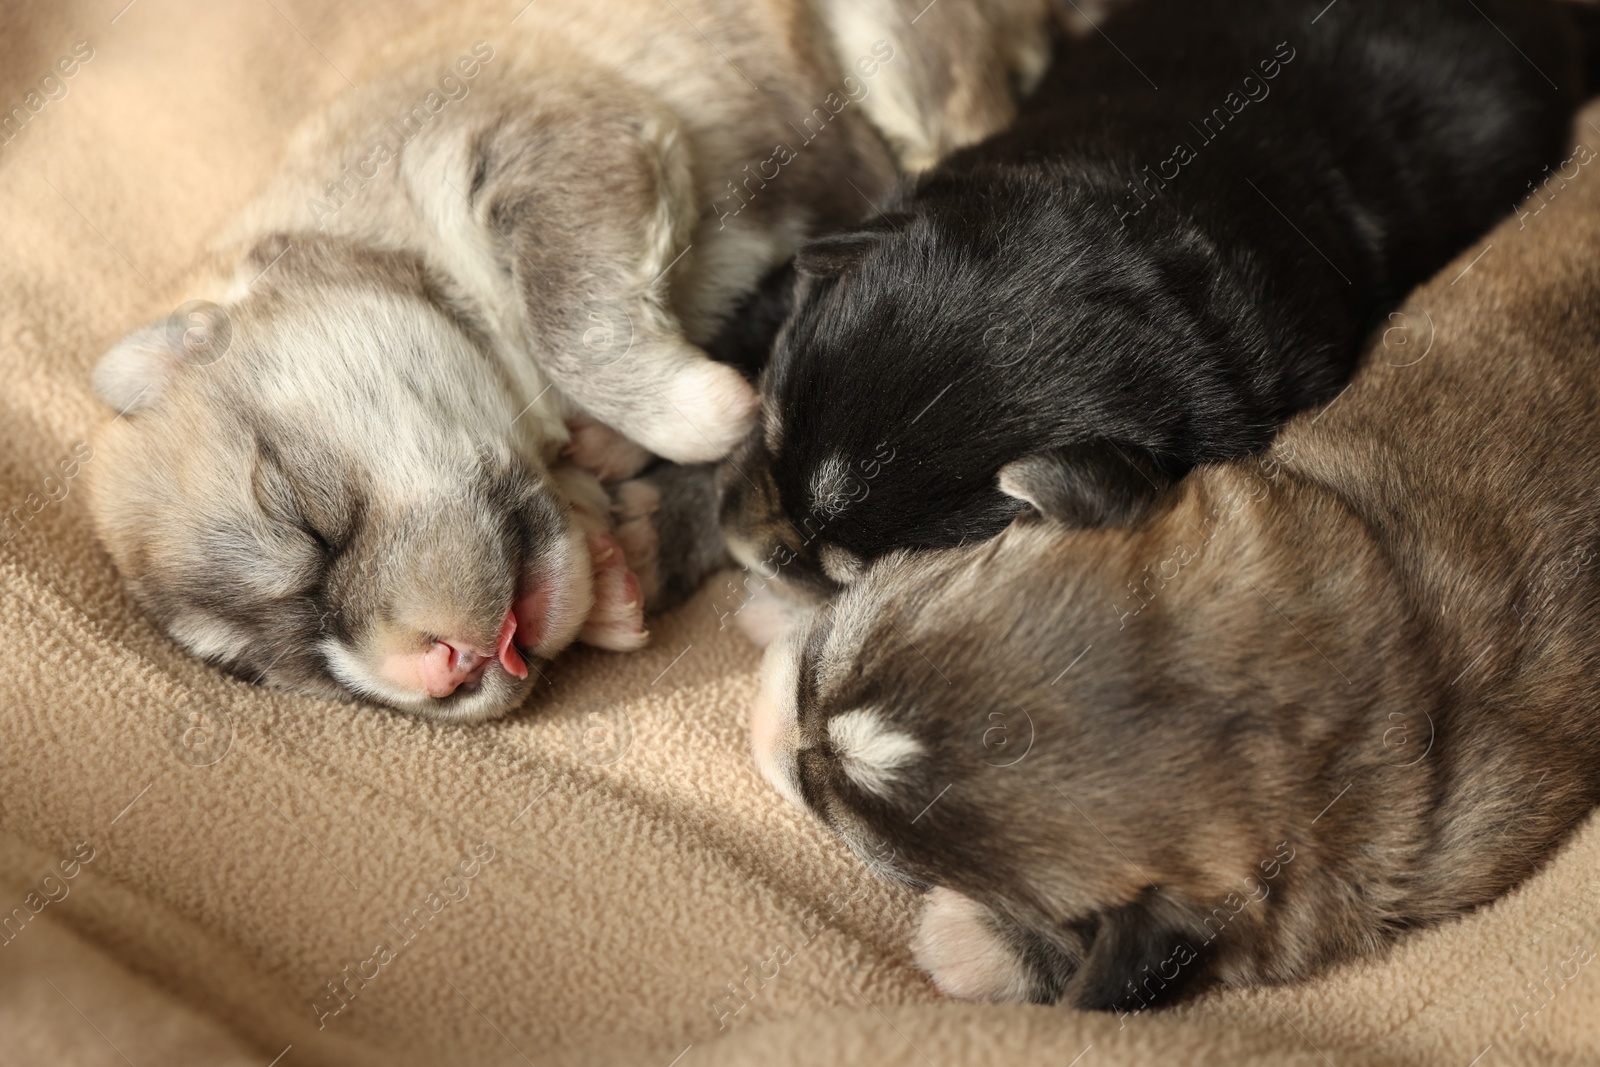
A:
[958,948]
[774,722]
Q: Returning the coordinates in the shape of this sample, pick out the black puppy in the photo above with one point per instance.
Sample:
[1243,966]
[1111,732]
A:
[1184,239]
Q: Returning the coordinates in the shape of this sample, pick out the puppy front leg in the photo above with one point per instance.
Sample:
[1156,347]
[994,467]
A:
[615,617]
[971,953]
[596,201]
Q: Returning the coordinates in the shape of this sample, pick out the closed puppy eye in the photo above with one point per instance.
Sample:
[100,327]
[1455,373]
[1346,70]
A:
[325,544]
[282,502]
[289,517]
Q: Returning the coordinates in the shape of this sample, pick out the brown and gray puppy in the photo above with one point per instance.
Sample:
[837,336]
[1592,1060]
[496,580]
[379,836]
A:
[1312,702]
[366,462]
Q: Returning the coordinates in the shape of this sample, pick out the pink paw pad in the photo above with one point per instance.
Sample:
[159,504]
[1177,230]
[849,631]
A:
[617,619]
[602,451]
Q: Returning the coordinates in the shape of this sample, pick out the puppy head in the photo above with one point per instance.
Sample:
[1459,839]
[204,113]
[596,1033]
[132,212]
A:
[881,698]
[972,326]
[941,716]
[322,485]
[810,494]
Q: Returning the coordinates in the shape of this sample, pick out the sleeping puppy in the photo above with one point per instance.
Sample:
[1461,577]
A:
[1129,282]
[368,463]
[1309,702]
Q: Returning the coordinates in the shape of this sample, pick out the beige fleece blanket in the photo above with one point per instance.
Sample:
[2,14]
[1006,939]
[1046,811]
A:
[195,871]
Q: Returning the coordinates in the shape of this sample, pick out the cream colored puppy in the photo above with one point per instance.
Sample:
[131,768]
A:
[362,461]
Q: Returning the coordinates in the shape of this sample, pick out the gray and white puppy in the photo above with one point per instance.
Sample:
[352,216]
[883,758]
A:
[1306,705]
[368,462]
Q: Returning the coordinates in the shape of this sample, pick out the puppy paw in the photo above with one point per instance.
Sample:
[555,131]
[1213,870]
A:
[961,947]
[616,621]
[633,510]
[602,451]
[709,410]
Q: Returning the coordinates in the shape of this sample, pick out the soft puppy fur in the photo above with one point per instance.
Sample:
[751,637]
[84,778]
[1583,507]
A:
[1185,237]
[1308,703]
[361,461]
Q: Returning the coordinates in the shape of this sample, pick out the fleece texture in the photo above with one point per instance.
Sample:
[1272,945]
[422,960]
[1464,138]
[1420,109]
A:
[601,878]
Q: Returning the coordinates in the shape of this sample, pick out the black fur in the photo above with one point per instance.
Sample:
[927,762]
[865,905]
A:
[1132,946]
[1068,287]
[746,340]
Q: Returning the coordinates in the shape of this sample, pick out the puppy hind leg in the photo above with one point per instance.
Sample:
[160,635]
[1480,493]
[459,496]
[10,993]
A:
[596,198]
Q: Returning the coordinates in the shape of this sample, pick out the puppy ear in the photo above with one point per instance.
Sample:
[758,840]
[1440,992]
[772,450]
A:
[1095,483]
[131,376]
[1143,954]
[839,253]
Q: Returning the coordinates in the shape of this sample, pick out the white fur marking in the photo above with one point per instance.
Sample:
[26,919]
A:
[840,564]
[774,719]
[209,638]
[361,679]
[870,753]
[830,486]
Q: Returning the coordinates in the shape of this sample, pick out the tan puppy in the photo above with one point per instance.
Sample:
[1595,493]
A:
[339,469]
[1310,703]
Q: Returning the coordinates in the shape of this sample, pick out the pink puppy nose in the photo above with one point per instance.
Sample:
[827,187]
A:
[445,667]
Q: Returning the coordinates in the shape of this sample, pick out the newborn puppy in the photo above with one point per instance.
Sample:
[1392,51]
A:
[1128,281]
[366,464]
[1308,703]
